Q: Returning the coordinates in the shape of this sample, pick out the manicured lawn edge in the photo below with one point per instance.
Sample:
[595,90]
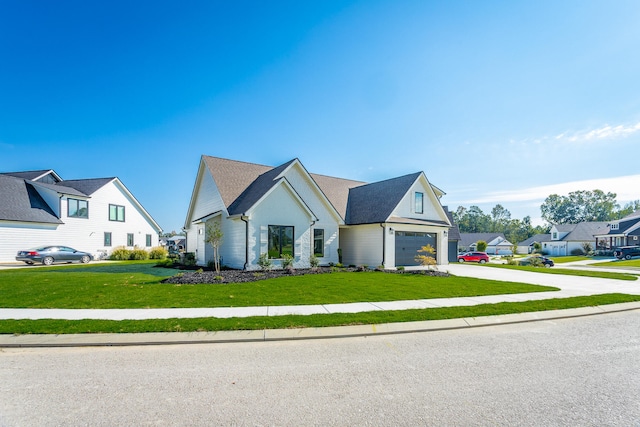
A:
[568,272]
[298,321]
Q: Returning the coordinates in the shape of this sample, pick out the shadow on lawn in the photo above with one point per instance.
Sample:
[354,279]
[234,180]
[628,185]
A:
[120,268]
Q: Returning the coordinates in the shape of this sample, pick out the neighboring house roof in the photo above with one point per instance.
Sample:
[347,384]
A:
[630,224]
[585,231]
[375,202]
[538,238]
[34,175]
[467,239]
[86,186]
[21,202]
[454,231]
[564,228]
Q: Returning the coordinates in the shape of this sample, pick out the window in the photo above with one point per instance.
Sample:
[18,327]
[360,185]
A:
[107,238]
[129,239]
[116,213]
[318,242]
[554,236]
[148,240]
[419,202]
[77,208]
[280,241]
[615,226]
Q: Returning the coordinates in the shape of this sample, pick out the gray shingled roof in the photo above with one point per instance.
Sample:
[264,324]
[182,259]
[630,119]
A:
[21,202]
[373,203]
[585,231]
[454,231]
[540,238]
[85,186]
[258,188]
[336,190]
[30,175]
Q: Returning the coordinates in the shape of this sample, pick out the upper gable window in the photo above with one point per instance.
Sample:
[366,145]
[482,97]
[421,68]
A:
[419,202]
[77,208]
[116,213]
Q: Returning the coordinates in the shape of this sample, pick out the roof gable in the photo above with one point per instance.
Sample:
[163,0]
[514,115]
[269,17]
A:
[232,177]
[375,202]
[22,202]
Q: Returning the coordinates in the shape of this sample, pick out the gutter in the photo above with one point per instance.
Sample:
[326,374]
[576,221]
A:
[245,219]
[384,243]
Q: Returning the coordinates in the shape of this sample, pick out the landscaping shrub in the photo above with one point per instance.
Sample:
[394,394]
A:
[138,254]
[264,262]
[577,252]
[287,262]
[189,258]
[158,252]
[120,254]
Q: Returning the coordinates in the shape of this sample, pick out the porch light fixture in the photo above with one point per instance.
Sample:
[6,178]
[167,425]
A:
[391,230]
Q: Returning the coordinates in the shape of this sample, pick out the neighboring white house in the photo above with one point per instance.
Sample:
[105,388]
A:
[497,243]
[38,208]
[288,211]
[566,238]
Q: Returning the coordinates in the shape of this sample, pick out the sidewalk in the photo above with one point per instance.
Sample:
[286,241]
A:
[570,286]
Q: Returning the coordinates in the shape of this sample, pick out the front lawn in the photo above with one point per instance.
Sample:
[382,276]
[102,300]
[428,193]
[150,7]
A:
[137,285]
[296,321]
[616,263]
[567,271]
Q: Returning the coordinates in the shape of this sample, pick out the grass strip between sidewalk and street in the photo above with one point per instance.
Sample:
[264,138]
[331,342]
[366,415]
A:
[46,326]
[568,271]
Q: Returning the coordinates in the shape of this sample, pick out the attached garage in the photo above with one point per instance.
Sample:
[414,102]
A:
[408,244]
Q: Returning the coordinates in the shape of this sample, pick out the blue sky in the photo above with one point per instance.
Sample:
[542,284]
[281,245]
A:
[496,101]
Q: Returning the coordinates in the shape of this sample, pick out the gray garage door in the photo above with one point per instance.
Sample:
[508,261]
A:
[409,243]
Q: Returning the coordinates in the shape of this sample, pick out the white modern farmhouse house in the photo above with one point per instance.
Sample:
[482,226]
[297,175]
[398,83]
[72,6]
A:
[39,208]
[286,210]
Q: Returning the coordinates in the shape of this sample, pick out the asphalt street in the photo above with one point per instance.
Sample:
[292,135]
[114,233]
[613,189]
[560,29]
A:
[579,371]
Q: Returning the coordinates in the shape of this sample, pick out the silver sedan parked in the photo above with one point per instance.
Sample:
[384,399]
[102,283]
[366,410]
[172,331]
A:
[47,255]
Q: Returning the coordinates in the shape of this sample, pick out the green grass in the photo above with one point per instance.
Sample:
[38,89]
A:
[567,271]
[572,258]
[616,263]
[137,285]
[297,321]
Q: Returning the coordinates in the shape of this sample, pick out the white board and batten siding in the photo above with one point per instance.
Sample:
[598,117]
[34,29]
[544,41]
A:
[280,208]
[207,200]
[327,219]
[85,234]
[362,245]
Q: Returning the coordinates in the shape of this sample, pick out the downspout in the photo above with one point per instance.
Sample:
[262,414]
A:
[384,243]
[245,219]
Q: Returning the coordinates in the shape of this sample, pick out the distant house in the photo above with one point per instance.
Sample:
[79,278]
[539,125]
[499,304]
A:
[94,215]
[283,211]
[623,232]
[527,246]
[497,243]
[174,244]
[564,239]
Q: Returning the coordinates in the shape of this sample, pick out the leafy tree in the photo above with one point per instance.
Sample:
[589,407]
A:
[481,246]
[628,209]
[500,218]
[214,237]
[429,259]
[579,206]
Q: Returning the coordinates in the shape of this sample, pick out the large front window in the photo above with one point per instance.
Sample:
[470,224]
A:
[280,241]
[77,208]
[116,213]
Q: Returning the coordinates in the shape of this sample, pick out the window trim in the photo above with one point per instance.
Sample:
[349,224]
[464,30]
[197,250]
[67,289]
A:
[117,216]
[419,208]
[282,231]
[78,208]
[319,239]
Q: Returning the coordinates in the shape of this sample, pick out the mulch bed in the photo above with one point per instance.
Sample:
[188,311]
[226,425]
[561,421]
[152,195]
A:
[241,276]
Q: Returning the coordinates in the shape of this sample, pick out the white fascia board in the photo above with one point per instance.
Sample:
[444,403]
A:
[283,182]
[313,184]
[207,218]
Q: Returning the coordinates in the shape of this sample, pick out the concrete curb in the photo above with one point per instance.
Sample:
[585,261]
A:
[269,335]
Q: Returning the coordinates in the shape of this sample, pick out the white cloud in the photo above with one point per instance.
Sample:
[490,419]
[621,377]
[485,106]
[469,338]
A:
[605,132]
[627,188]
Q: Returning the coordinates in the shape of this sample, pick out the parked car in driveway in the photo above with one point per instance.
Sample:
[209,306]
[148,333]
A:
[480,257]
[536,260]
[47,255]
[626,252]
